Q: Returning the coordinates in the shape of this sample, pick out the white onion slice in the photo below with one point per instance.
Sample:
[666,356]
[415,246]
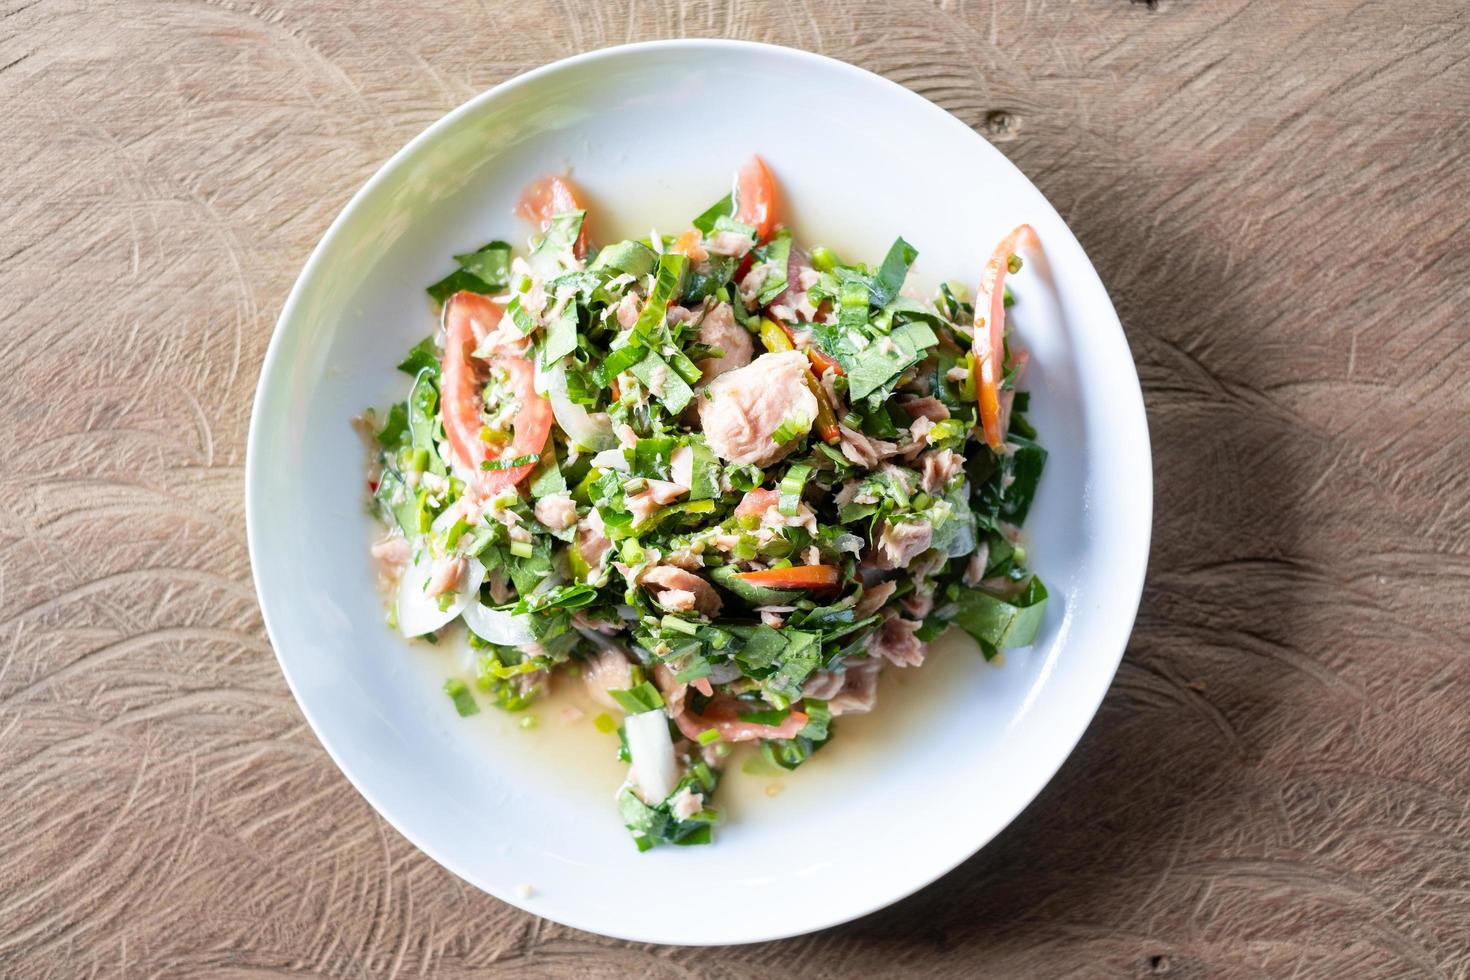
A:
[653,770]
[580,426]
[418,612]
[497,626]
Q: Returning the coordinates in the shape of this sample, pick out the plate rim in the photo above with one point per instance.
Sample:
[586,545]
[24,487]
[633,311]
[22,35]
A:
[1130,405]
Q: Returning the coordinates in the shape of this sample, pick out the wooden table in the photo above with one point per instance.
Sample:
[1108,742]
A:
[1278,197]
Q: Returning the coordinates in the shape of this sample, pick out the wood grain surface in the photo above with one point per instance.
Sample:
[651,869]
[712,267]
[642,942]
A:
[1278,197]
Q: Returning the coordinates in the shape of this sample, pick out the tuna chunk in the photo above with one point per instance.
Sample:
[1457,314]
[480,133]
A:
[898,544]
[445,575]
[741,409]
[851,690]
[686,803]
[393,553]
[646,502]
[873,598]
[719,329]
[607,670]
[895,642]
[928,407]
[556,511]
[689,591]
[592,539]
[939,467]
[730,243]
[863,450]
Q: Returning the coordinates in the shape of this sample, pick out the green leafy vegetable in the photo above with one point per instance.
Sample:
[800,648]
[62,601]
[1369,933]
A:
[638,699]
[892,273]
[998,623]
[459,693]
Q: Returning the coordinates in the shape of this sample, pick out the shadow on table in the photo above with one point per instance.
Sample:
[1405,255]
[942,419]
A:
[1163,771]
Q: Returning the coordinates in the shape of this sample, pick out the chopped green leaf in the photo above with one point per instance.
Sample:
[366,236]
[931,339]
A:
[459,693]
[892,273]
[490,264]
[638,699]
[722,208]
[998,623]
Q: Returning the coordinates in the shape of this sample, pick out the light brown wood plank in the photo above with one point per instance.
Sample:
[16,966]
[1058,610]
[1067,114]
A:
[1276,194]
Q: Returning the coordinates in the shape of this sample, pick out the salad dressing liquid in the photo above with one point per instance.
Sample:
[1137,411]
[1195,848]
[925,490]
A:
[557,736]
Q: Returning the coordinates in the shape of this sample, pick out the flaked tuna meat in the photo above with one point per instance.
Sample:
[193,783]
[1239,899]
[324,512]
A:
[740,410]
[864,450]
[646,502]
[732,244]
[604,671]
[445,575]
[686,803]
[975,567]
[898,544]
[690,592]
[556,511]
[627,310]
[937,468]
[592,539]
[721,713]
[766,505]
[895,642]
[927,407]
[719,329]
[873,598]
[918,603]
[849,691]
[392,552]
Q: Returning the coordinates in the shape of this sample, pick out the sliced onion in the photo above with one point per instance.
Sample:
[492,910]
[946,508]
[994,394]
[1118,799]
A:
[419,612]
[497,626]
[651,749]
[581,427]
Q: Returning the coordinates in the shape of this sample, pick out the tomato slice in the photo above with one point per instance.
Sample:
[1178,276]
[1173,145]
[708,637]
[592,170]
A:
[755,197]
[460,395]
[795,577]
[989,343]
[546,197]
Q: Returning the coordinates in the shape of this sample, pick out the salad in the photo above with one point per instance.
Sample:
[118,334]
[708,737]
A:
[722,479]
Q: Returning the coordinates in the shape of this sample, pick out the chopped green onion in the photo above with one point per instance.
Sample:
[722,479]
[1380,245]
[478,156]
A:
[680,625]
[791,487]
[459,693]
[709,736]
[822,259]
[521,549]
[1013,264]
[638,699]
[528,722]
[605,723]
[792,427]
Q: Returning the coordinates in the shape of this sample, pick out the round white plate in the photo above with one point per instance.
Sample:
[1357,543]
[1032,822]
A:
[652,133]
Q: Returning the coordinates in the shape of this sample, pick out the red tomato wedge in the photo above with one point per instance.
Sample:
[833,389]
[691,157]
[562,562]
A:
[989,343]
[755,197]
[796,577]
[460,393]
[548,196]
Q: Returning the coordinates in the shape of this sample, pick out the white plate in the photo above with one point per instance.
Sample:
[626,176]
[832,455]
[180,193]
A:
[652,133]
